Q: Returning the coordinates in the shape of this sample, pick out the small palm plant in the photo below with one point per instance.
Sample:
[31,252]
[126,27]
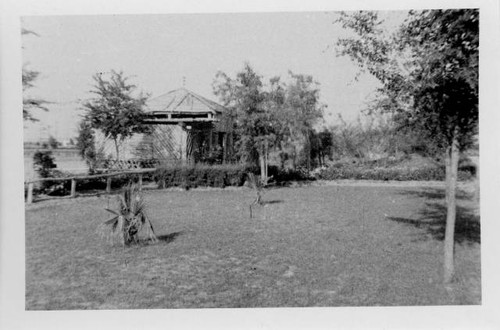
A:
[130,218]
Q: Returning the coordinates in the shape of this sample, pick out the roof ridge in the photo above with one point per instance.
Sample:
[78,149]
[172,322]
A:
[176,97]
[206,101]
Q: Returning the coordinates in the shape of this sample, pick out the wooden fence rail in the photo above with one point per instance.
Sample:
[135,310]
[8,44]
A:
[74,179]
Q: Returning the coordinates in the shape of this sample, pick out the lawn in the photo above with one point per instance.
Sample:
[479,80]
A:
[307,246]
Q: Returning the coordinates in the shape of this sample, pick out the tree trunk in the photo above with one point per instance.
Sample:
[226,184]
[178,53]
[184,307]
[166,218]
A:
[267,159]
[452,155]
[262,160]
[308,151]
[117,149]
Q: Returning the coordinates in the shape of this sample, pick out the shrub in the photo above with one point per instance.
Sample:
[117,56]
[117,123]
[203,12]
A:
[130,217]
[220,176]
[342,172]
[189,176]
[44,162]
[289,174]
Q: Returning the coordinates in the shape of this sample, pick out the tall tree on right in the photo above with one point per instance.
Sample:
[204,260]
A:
[428,70]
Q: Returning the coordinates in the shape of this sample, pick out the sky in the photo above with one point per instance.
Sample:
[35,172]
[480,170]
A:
[158,52]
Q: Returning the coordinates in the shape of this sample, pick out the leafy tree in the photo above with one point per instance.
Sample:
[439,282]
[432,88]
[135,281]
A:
[295,109]
[321,145]
[28,79]
[44,163]
[302,111]
[279,116]
[85,142]
[246,100]
[115,111]
[429,76]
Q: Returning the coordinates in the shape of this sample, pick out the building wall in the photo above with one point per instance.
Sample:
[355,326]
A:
[167,142]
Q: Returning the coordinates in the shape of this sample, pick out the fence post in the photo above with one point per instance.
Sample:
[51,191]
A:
[140,181]
[108,185]
[73,188]
[30,193]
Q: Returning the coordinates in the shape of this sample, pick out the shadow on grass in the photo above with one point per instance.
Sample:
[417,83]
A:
[276,201]
[169,238]
[436,193]
[433,218]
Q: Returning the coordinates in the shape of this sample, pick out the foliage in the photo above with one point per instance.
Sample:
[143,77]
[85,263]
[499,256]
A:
[285,175]
[28,78]
[428,69]
[321,147]
[85,143]
[115,111]
[53,143]
[301,111]
[130,217]
[44,163]
[245,98]
[342,172]
[220,176]
[376,136]
[278,116]
[192,176]
[429,73]
[212,157]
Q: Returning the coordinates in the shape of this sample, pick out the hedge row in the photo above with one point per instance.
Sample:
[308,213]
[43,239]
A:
[385,174]
[202,175]
[219,175]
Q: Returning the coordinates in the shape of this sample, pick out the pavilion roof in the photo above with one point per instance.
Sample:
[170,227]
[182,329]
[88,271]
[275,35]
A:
[183,101]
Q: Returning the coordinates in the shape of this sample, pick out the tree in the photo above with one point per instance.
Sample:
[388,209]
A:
[53,143]
[429,76]
[85,143]
[279,116]
[115,111]
[28,78]
[302,110]
[44,163]
[321,145]
[246,100]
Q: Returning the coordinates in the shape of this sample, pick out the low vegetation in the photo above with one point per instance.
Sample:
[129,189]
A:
[220,176]
[390,171]
[130,217]
[305,246]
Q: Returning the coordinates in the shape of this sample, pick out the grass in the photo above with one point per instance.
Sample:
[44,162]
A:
[306,246]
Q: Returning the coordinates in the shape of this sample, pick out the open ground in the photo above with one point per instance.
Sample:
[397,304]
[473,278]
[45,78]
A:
[306,246]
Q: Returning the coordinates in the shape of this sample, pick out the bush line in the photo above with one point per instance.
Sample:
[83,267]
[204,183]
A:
[390,174]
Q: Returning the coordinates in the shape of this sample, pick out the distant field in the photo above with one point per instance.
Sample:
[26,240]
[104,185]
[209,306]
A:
[308,246]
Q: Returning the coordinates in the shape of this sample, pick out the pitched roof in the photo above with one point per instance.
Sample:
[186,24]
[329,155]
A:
[183,101]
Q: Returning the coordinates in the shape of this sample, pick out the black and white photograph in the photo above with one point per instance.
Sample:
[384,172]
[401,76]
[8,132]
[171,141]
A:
[265,162]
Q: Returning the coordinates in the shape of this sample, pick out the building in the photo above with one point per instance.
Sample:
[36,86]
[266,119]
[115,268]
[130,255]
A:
[186,128]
